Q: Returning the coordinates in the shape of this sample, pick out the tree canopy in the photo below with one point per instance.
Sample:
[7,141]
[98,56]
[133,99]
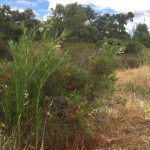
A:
[142,34]
[82,21]
[10,21]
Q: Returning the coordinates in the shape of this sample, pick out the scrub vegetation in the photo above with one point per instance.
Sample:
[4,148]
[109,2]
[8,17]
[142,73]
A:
[77,81]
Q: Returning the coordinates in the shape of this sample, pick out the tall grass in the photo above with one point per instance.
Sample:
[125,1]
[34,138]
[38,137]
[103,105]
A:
[29,71]
[138,77]
[133,84]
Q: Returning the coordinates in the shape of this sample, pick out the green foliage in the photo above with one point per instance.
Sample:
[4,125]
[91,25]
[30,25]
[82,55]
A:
[80,52]
[103,68]
[134,55]
[43,87]
[141,34]
[83,23]
[86,25]
[89,34]
[112,25]
[66,80]
[10,21]
[84,92]
[29,73]
[73,17]
[114,44]
[134,47]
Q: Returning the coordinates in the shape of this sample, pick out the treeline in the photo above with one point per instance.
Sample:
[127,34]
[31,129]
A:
[86,25]
[10,21]
[83,23]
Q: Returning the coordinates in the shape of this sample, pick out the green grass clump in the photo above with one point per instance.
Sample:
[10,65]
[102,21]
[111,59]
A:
[29,73]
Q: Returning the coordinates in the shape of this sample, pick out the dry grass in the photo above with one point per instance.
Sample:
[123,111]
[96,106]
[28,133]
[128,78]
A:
[139,77]
[134,83]
[118,128]
[8,142]
[125,61]
[127,127]
[123,128]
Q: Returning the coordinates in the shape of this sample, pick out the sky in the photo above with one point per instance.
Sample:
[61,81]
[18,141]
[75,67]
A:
[140,8]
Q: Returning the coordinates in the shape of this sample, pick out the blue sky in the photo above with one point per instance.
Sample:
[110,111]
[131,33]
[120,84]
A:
[41,8]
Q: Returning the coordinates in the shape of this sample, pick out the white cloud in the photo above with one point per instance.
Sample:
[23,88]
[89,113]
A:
[19,9]
[45,17]
[136,6]
[41,1]
[118,5]
[26,3]
[36,13]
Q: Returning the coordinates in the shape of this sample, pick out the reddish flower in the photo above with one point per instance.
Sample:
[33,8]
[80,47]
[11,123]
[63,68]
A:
[70,87]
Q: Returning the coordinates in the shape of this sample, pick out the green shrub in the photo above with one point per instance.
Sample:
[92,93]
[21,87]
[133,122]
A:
[103,77]
[75,93]
[101,70]
[47,94]
[133,47]
[112,43]
[65,80]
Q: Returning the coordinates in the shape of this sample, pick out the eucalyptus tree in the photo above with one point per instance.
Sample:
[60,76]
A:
[142,34]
